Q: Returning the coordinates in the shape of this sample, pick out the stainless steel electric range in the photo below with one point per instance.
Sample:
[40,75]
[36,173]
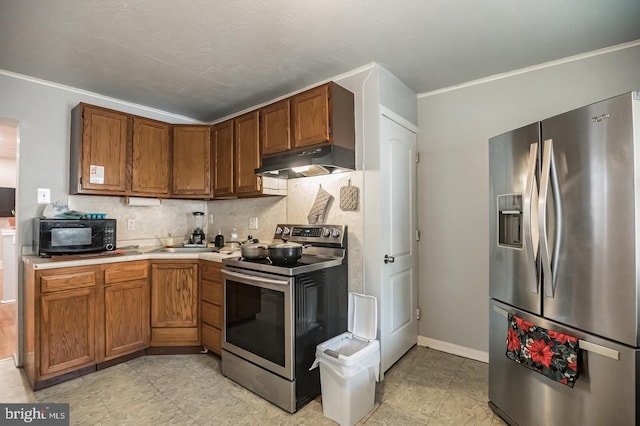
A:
[275,316]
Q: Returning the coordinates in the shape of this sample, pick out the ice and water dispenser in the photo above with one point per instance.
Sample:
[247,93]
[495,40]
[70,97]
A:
[510,220]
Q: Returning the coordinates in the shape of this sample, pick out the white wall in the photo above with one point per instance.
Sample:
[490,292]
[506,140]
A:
[453,178]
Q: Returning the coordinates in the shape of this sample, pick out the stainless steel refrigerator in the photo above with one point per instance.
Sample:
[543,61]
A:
[565,256]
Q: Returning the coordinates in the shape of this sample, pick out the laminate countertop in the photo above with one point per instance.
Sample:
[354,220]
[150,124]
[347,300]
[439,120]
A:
[141,253]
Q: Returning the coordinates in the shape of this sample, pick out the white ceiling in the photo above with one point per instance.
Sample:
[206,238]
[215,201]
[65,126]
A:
[206,59]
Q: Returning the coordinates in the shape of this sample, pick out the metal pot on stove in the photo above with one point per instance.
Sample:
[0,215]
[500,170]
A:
[251,249]
[285,253]
[254,251]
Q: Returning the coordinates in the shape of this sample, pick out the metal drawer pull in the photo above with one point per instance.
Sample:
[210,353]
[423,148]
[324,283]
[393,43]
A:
[600,350]
[389,259]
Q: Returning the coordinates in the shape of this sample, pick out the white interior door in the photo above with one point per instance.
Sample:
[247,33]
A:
[399,293]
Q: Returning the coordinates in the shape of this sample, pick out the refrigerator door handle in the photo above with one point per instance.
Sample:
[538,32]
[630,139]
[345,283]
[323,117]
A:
[549,177]
[599,349]
[529,216]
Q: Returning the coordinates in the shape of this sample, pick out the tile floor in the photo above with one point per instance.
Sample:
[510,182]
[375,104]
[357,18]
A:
[425,387]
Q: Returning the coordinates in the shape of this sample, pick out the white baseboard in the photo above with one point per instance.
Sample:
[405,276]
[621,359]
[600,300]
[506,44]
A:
[454,349]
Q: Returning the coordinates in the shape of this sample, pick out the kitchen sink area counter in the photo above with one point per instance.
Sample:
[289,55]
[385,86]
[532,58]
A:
[140,253]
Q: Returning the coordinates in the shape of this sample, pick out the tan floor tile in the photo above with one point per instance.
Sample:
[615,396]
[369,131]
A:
[424,387]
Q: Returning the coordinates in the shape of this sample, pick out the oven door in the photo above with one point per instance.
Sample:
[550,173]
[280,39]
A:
[258,319]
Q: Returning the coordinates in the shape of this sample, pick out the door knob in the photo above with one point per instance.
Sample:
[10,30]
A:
[389,259]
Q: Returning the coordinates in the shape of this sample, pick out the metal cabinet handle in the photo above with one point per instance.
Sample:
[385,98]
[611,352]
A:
[389,259]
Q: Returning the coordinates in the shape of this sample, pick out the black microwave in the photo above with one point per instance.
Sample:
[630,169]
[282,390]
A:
[73,236]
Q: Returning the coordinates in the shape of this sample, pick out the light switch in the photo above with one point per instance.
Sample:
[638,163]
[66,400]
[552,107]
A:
[131,224]
[44,195]
[253,222]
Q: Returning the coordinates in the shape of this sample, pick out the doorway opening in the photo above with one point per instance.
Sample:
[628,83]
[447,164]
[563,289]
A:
[8,249]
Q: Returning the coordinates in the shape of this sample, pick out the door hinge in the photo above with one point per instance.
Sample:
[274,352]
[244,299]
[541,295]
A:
[417,157]
[417,235]
[418,313]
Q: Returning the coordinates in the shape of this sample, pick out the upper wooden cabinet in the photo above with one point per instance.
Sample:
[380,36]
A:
[223,164]
[191,161]
[275,127]
[247,154]
[323,115]
[150,157]
[98,150]
[114,153]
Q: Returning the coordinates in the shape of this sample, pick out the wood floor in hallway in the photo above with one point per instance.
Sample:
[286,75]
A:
[8,327]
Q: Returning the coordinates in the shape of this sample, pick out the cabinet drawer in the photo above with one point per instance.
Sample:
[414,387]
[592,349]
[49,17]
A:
[212,292]
[212,314]
[175,336]
[211,271]
[69,279]
[126,271]
[211,338]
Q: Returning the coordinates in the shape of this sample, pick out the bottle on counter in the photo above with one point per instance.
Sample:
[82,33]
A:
[234,234]
[219,240]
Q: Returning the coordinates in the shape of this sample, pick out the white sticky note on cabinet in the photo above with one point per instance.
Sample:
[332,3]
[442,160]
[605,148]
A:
[96,174]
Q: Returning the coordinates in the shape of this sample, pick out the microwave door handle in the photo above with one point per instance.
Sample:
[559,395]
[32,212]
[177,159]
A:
[530,240]
[549,177]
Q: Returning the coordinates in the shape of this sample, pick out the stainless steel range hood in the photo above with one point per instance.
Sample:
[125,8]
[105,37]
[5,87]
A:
[308,162]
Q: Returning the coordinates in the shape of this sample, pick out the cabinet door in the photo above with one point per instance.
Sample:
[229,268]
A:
[222,135]
[126,315]
[104,150]
[191,161]
[67,330]
[275,127]
[247,143]
[150,157]
[311,117]
[174,295]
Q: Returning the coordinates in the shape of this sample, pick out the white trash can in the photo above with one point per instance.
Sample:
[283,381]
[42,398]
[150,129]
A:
[350,364]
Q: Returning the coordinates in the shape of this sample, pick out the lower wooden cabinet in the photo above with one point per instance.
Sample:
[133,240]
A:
[211,306]
[174,304]
[126,308]
[67,330]
[77,318]
[61,329]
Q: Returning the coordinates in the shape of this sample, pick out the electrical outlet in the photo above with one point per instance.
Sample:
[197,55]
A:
[253,222]
[44,195]
[211,218]
[131,224]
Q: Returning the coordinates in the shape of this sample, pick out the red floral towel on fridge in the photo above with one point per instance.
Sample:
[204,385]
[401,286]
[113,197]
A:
[547,352]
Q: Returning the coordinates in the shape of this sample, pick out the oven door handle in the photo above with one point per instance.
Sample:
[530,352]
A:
[255,278]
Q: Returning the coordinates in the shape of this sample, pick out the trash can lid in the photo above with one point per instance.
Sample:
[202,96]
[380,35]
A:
[363,316]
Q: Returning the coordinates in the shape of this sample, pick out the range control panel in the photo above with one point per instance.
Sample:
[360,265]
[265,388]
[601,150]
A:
[311,234]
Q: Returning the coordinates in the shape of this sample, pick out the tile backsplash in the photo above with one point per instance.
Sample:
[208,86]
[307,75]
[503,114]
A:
[154,224]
